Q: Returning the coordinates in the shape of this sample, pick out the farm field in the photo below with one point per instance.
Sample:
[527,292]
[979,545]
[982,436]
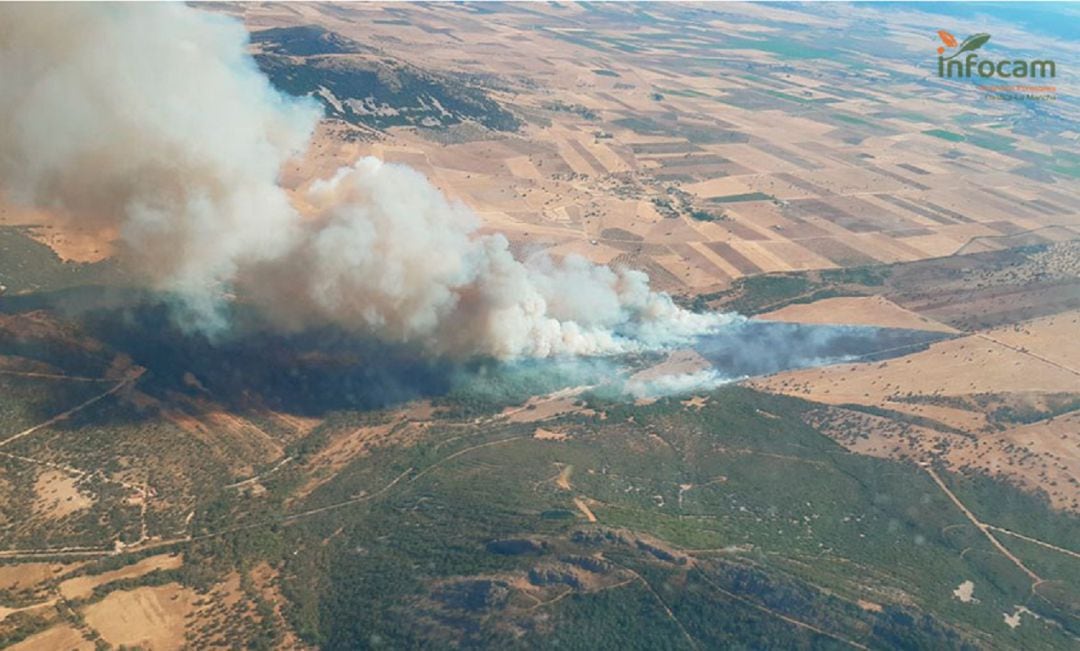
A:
[706,168]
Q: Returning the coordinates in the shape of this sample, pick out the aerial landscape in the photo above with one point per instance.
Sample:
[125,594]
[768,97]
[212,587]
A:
[539,325]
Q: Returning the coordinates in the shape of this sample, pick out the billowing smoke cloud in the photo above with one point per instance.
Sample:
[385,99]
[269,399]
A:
[389,253]
[155,122]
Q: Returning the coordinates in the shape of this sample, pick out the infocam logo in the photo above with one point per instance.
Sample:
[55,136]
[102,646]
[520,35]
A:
[970,65]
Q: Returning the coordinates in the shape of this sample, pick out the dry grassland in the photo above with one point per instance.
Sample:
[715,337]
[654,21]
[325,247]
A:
[81,587]
[152,618]
[855,310]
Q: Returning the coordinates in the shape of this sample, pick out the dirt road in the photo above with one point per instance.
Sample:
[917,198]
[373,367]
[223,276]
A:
[981,526]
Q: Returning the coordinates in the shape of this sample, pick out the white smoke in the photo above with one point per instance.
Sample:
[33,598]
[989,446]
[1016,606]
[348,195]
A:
[391,254]
[678,384]
[154,121]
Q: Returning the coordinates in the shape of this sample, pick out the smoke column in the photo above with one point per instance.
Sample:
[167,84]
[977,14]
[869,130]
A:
[153,120]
